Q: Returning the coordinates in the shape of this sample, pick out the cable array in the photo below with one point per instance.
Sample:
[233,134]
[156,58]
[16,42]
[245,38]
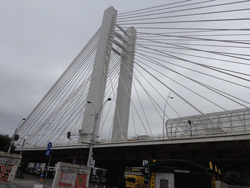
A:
[197,50]
[61,108]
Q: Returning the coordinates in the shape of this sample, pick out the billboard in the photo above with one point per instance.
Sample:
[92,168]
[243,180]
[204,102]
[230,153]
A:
[71,175]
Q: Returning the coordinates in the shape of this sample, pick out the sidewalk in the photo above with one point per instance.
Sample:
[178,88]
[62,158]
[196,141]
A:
[29,181]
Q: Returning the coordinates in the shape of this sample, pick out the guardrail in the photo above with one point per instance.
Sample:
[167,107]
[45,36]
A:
[155,137]
[220,184]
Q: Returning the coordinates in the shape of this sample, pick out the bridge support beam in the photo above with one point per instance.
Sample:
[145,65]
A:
[115,175]
[99,75]
[121,117]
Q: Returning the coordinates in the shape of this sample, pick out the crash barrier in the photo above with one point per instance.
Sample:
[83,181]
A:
[220,184]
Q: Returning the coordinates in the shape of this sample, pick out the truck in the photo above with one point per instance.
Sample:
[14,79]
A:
[135,181]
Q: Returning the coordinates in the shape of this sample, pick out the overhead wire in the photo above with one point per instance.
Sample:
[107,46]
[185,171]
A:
[219,46]
[120,14]
[116,63]
[164,54]
[193,8]
[74,93]
[59,84]
[78,69]
[201,39]
[184,15]
[198,63]
[156,63]
[200,50]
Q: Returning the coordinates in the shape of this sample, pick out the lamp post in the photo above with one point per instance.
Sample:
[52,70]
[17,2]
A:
[190,123]
[165,110]
[15,134]
[94,128]
[22,147]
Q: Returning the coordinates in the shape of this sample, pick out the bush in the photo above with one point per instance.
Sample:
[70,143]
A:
[5,142]
[232,178]
[19,176]
[23,167]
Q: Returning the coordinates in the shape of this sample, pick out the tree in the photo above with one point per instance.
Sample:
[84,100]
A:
[232,178]
[99,173]
[5,141]
[23,167]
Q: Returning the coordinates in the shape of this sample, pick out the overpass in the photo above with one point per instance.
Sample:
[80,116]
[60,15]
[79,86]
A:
[227,140]
[226,143]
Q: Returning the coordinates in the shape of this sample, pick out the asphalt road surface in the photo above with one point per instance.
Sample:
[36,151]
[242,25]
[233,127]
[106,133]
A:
[29,181]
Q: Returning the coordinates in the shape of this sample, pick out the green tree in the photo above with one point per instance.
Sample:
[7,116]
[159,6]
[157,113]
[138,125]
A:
[5,141]
[232,178]
[99,173]
[23,167]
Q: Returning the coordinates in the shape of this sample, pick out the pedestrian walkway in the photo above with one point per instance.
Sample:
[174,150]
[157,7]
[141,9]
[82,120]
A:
[29,181]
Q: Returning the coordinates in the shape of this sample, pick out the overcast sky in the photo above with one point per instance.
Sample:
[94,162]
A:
[39,39]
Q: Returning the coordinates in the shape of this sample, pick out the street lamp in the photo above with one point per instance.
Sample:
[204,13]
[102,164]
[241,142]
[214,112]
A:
[15,135]
[165,110]
[22,146]
[93,134]
[190,123]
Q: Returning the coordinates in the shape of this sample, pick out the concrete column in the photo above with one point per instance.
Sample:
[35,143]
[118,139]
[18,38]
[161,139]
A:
[115,175]
[99,75]
[121,117]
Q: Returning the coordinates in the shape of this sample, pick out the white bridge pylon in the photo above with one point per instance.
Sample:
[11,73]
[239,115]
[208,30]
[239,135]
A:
[202,62]
[99,78]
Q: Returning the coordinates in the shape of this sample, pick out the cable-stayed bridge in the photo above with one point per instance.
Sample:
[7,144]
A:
[167,69]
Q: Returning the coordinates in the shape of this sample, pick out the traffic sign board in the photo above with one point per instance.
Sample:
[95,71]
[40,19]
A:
[144,163]
[47,152]
[49,145]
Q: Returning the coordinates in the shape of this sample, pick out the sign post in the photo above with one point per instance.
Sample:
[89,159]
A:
[47,153]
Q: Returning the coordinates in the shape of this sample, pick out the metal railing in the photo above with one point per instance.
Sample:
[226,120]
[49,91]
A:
[220,184]
[233,122]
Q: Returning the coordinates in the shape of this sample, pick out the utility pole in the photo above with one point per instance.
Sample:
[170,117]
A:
[94,130]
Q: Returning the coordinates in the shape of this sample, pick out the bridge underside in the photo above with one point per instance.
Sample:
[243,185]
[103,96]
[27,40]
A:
[237,150]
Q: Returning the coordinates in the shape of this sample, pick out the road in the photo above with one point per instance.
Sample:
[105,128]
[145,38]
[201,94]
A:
[29,181]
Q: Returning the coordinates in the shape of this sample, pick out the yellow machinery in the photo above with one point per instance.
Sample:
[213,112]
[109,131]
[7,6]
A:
[135,181]
[152,183]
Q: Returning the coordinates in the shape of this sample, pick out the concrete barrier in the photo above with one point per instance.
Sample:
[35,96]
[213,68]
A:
[38,186]
[220,184]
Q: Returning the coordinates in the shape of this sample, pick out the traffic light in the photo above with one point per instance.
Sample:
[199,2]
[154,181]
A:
[16,137]
[210,165]
[68,135]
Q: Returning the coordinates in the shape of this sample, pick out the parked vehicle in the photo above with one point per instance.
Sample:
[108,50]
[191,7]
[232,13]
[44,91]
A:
[135,181]
[36,168]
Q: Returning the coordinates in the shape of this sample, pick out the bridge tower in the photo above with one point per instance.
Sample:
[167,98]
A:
[121,117]
[99,75]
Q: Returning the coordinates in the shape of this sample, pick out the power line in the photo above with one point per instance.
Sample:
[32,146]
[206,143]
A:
[188,9]
[150,8]
[185,15]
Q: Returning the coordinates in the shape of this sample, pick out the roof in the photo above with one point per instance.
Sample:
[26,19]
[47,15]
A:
[180,164]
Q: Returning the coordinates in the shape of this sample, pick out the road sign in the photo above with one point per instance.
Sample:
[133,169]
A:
[47,152]
[49,145]
[41,175]
[144,163]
